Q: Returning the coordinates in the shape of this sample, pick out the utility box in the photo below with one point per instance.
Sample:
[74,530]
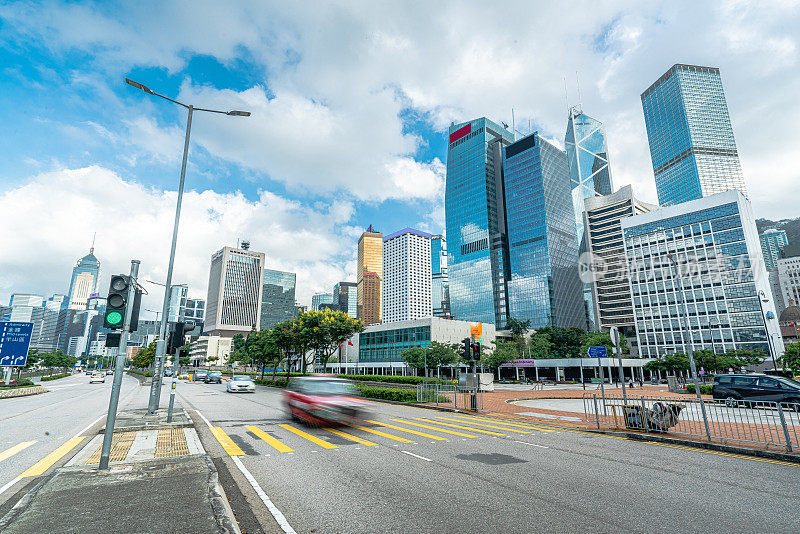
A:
[485,381]
[672,384]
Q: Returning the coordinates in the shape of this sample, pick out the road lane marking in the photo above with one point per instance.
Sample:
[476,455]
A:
[313,439]
[484,425]
[90,425]
[382,434]
[352,438]
[279,517]
[225,440]
[417,456]
[418,433]
[435,428]
[719,453]
[460,426]
[8,453]
[518,425]
[276,443]
[45,463]
[531,444]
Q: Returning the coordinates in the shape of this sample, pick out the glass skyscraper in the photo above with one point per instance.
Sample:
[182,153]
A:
[440,289]
[590,175]
[475,221]
[277,298]
[773,242]
[85,276]
[543,282]
[691,139]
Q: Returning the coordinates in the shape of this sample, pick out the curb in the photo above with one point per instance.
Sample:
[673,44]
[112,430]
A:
[23,503]
[22,392]
[220,506]
[143,380]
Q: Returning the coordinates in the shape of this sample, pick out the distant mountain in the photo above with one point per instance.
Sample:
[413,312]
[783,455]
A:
[792,227]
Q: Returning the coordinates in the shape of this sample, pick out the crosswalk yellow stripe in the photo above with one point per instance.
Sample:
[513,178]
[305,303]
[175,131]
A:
[276,443]
[418,433]
[461,427]
[484,425]
[352,437]
[313,439]
[382,434]
[502,422]
[45,463]
[227,443]
[8,453]
[435,428]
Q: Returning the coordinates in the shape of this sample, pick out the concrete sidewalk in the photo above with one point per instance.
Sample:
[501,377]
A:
[160,479]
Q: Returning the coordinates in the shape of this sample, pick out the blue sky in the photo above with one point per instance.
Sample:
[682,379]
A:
[350,103]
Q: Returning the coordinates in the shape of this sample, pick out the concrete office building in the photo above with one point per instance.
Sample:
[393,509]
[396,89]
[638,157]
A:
[369,277]
[406,276]
[440,286]
[234,292]
[789,280]
[84,282]
[344,298]
[206,347]
[719,281]
[277,298]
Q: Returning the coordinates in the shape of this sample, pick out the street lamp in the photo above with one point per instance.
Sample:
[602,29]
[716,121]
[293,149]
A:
[762,299]
[155,387]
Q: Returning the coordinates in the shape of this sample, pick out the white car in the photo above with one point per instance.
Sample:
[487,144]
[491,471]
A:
[97,376]
[240,383]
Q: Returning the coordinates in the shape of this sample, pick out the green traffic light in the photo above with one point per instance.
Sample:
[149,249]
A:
[114,318]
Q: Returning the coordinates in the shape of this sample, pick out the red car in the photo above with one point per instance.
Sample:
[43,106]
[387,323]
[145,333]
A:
[322,400]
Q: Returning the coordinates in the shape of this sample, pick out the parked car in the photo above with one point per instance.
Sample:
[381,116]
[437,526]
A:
[167,372]
[200,374]
[185,376]
[97,376]
[322,400]
[737,389]
[213,377]
[239,384]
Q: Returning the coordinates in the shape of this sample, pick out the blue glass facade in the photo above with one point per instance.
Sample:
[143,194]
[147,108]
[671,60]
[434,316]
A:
[475,222]
[277,298]
[691,139]
[440,286]
[543,284]
[388,345]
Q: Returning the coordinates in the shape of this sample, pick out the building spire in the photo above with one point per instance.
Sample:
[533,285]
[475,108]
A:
[91,250]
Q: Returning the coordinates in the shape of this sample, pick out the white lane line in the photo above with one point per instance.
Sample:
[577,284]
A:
[4,488]
[90,425]
[279,517]
[532,444]
[417,456]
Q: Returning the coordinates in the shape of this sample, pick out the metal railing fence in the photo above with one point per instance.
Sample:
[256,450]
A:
[450,395]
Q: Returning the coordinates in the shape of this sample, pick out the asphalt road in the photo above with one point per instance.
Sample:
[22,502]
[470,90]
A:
[543,480]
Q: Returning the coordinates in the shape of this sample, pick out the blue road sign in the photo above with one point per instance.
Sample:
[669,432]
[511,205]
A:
[598,352]
[15,338]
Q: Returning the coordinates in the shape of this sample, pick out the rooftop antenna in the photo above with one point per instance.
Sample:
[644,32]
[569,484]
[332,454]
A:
[513,125]
[578,84]
[91,250]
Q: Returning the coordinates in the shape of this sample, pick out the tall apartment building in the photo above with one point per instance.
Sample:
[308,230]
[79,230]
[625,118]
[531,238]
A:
[475,221]
[321,298]
[277,298]
[789,280]
[406,276]
[440,288]
[691,139]
[773,242]
[84,282]
[603,237]
[369,277]
[698,277]
[235,281]
[543,282]
[344,298]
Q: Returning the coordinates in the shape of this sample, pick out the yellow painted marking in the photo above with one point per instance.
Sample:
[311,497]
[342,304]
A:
[352,437]
[227,443]
[461,427]
[518,425]
[382,434]
[276,443]
[436,429]
[313,439]
[484,425]
[45,463]
[418,433]
[8,453]
[720,453]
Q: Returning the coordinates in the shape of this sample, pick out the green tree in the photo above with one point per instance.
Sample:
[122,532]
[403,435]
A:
[145,357]
[540,346]
[325,330]
[599,339]
[415,357]
[34,357]
[566,341]
[442,354]
[503,352]
[791,358]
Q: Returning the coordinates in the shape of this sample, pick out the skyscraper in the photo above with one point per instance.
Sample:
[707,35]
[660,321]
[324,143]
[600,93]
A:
[406,276]
[543,282]
[234,292]
[277,298]
[321,298]
[590,175]
[370,266]
[691,139]
[772,243]
[85,277]
[344,297]
[475,221]
[440,289]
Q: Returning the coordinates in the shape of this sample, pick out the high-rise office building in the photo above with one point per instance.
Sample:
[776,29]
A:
[321,298]
[177,302]
[691,139]
[697,277]
[789,280]
[773,242]
[85,278]
[369,276]
[440,289]
[590,176]
[406,276]
[609,283]
[475,221]
[344,298]
[234,292]
[56,302]
[277,298]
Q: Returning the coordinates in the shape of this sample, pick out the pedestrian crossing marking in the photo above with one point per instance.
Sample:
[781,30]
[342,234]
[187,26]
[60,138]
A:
[484,425]
[382,434]
[8,453]
[418,433]
[227,443]
[313,439]
[45,463]
[276,443]
[435,428]
[496,421]
[461,427]
[352,437]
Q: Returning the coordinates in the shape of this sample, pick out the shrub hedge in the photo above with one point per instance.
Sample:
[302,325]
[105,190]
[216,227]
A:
[277,383]
[140,373]
[705,389]
[393,379]
[21,383]
[55,377]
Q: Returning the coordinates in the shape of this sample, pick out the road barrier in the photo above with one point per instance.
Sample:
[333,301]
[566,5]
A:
[768,423]
[459,397]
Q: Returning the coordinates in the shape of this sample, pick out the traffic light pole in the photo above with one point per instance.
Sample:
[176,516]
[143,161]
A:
[161,344]
[119,369]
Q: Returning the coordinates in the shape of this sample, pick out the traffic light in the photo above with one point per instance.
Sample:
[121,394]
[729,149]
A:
[476,351]
[117,302]
[176,338]
[466,352]
[137,302]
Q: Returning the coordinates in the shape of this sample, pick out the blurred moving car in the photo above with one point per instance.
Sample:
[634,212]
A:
[200,374]
[97,376]
[738,389]
[240,384]
[185,376]
[322,400]
[213,377]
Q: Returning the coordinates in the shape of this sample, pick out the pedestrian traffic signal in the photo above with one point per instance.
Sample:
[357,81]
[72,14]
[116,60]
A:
[176,338]
[466,351]
[476,351]
[117,302]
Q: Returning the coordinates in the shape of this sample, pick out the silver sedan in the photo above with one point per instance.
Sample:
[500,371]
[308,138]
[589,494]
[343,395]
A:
[239,384]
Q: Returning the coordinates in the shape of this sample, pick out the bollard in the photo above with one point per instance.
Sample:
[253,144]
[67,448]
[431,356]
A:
[171,400]
[596,413]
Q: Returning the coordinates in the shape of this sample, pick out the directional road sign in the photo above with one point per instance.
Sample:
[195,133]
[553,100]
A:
[15,338]
[598,352]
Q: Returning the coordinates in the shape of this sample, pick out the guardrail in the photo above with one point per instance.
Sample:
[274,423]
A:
[768,423]
[466,398]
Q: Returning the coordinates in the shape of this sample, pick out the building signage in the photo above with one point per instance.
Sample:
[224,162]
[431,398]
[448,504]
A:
[15,338]
[598,352]
[522,362]
[461,132]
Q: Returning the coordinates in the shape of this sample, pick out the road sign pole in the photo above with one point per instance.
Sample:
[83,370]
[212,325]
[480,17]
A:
[119,369]
[7,374]
[618,349]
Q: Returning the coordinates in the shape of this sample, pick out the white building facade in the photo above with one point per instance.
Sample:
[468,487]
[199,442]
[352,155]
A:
[789,280]
[234,292]
[407,277]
